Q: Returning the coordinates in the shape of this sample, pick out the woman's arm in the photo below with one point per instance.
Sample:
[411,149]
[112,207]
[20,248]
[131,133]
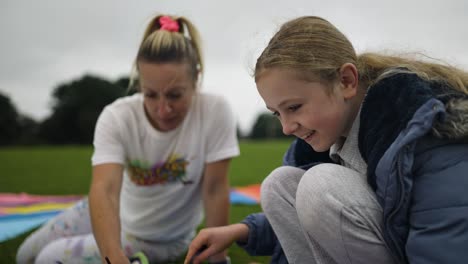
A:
[104,209]
[215,191]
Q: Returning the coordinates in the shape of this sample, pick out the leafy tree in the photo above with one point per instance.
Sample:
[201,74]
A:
[29,130]
[10,128]
[76,107]
[267,126]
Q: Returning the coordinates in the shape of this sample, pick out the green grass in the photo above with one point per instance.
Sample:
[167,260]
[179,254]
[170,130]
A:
[67,170]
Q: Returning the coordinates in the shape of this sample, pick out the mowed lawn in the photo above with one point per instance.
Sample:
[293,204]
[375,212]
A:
[66,170]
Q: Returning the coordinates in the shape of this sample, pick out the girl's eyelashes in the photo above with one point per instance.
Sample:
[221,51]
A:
[294,107]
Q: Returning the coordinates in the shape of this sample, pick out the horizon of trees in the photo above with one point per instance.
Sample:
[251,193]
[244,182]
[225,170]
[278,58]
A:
[76,105]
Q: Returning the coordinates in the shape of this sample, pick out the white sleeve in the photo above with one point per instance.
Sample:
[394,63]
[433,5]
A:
[108,143]
[221,131]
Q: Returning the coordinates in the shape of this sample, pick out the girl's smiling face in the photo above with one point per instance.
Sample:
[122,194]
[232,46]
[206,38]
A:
[316,112]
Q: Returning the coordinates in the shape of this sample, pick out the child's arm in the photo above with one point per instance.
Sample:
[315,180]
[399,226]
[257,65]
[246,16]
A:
[261,240]
[211,241]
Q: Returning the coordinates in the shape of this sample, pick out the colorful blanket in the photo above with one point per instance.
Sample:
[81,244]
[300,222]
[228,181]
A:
[245,195]
[22,212]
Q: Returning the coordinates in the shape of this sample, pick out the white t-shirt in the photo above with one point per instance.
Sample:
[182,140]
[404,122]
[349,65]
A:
[161,192]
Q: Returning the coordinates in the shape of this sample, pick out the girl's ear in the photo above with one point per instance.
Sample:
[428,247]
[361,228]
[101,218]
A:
[349,80]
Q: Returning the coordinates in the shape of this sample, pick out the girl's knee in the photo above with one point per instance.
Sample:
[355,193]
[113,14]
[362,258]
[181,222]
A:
[272,180]
[277,182]
[321,178]
[316,188]
[323,192]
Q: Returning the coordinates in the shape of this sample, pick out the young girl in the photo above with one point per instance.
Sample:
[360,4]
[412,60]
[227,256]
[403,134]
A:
[393,189]
[160,157]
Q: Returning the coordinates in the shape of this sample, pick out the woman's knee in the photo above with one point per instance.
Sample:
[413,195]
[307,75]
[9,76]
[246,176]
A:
[32,252]
[50,253]
[25,253]
[77,249]
[30,247]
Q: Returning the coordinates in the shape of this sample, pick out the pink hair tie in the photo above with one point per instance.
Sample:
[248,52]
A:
[169,24]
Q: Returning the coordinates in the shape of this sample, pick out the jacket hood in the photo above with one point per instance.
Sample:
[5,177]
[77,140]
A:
[455,123]
[391,103]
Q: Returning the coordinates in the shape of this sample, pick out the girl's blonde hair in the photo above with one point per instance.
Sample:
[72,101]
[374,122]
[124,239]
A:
[314,48]
[167,46]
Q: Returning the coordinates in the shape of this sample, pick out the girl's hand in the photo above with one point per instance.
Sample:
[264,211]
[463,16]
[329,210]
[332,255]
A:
[210,241]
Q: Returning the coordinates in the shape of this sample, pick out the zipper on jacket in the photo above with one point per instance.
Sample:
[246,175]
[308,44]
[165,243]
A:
[399,203]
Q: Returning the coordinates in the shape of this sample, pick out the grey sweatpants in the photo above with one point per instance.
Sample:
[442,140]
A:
[327,214]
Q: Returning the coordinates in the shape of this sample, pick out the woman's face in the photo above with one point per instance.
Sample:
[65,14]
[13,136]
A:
[168,89]
[305,109]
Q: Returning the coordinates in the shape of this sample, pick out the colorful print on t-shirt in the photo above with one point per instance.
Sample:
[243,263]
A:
[171,170]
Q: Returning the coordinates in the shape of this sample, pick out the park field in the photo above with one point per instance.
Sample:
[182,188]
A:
[61,170]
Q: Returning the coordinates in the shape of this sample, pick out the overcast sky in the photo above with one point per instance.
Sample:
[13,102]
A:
[48,42]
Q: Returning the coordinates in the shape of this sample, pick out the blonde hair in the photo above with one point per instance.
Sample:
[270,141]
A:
[164,46]
[314,48]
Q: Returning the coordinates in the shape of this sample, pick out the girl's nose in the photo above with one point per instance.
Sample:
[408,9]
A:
[289,127]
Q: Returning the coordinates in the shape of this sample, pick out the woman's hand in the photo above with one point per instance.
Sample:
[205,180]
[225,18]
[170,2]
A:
[104,210]
[118,258]
[210,241]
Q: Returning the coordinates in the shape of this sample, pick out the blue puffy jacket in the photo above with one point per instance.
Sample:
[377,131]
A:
[414,137]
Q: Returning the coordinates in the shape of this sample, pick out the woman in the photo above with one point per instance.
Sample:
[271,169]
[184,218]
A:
[160,157]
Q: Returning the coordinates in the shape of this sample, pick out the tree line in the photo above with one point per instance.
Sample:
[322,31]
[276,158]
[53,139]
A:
[75,107]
